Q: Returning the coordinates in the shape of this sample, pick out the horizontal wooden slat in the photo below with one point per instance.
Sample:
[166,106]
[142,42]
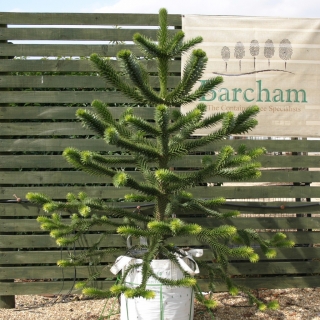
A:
[40,161]
[83,272]
[274,207]
[75,34]
[119,19]
[260,223]
[47,177]
[100,145]
[281,282]
[65,177]
[51,272]
[75,128]
[256,192]
[44,129]
[68,65]
[58,50]
[298,237]
[51,287]
[289,161]
[109,192]
[62,97]
[272,267]
[48,161]
[52,256]
[21,288]
[59,113]
[25,209]
[78,82]
[31,225]
[60,129]
[44,241]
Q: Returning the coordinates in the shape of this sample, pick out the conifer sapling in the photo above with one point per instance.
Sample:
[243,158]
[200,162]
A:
[152,147]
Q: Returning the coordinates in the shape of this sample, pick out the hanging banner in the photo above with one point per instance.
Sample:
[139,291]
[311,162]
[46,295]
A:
[273,63]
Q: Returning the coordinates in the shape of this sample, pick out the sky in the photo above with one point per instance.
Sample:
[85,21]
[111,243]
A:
[275,8]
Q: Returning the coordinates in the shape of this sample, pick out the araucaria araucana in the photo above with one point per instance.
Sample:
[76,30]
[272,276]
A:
[152,147]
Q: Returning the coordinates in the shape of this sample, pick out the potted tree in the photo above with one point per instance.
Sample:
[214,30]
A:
[155,267]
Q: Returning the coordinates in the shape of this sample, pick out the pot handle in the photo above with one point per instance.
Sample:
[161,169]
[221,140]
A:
[120,264]
[189,255]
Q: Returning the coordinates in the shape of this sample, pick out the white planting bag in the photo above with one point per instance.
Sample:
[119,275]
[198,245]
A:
[170,303]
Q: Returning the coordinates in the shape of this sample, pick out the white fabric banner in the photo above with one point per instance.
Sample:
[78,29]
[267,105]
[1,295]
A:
[270,62]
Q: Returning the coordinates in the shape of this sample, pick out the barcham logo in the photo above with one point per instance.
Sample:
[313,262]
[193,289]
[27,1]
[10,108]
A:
[258,94]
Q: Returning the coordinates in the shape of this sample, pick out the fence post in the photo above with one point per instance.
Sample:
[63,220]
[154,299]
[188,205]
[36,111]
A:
[6,302]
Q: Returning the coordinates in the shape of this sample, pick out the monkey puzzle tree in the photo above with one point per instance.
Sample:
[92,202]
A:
[152,147]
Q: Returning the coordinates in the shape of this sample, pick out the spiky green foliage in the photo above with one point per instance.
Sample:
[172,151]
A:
[151,147]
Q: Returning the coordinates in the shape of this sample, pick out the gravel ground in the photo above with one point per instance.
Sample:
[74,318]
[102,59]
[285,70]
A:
[295,304]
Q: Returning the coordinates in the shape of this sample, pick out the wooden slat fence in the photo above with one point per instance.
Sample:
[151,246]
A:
[45,76]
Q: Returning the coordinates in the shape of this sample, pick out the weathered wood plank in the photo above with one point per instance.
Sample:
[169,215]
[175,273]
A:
[83,272]
[73,34]
[19,209]
[60,129]
[257,192]
[21,288]
[281,282]
[69,113]
[62,97]
[53,255]
[67,65]
[25,209]
[59,113]
[21,161]
[65,177]
[51,272]
[274,207]
[44,241]
[298,237]
[109,192]
[48,257]
[44,129]
[262,223]
[48,287]
[275,268]
[66,81]
[97,19]
[64,50]
[31,225]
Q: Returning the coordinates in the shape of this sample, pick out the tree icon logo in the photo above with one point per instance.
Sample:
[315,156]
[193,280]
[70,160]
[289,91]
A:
[254,51]
[268,50]
[285,51]
[225,54]
[239,52]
